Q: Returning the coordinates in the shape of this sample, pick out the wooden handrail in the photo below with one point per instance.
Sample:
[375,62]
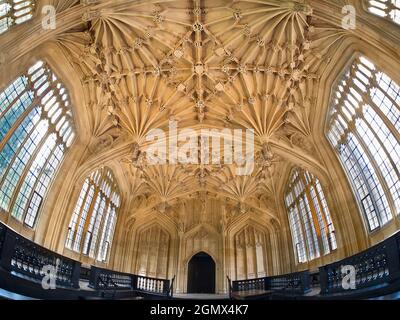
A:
[378,265]
[22,256]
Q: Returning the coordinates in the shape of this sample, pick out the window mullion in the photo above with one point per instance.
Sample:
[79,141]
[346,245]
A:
[110,238]
[39,177]
[321,219]
[295,240]
[92,244]
[100,216]
[314,224]
[85,216]
[388,10]
[367,185]
[303,226]
[26,169]
[80,215]
[89,216]
[27,139]
[16,124]
[352,128]
[324,218]
[377,170]
[28,88]
[18,151]
[394,165]
[384,118]
[102,227]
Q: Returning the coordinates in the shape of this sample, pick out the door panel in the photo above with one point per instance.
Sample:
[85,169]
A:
[201,274]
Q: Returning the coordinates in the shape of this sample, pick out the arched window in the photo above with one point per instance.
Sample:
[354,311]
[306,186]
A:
[93,221]
[364,126]
[309,217]
[36,128]
[15,12]
[389,9]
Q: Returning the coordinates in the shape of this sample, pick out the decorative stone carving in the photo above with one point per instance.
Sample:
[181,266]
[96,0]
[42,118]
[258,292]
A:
[212,71]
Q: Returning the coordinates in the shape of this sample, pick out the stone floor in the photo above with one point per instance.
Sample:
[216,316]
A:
[200,296]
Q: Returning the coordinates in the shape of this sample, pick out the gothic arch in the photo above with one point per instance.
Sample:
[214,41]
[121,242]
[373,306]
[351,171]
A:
[153,245]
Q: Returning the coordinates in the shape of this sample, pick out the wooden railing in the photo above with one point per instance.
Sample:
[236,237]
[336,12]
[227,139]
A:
[21,256]
[377,265]
[85,273]
[294,283]
[377,268]
[107,279]
[248,285]
[153,285]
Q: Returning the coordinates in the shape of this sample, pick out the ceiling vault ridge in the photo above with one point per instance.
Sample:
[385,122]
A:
[204,64]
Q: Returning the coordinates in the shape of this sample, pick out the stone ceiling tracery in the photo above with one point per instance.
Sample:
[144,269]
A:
[206,64]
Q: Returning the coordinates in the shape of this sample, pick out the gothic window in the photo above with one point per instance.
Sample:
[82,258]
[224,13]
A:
[36,129]
[93,221]
[389,9]
[364,126]
[14,12]
[309,217]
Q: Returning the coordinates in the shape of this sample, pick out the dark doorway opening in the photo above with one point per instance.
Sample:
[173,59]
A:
[201,274]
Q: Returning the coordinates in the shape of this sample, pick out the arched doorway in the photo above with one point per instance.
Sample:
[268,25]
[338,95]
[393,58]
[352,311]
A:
[201,274]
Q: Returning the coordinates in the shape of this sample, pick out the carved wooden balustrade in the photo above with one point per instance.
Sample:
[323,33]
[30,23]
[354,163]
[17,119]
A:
[378,265]
[248,285]
[108,279]
[154,285]
[85,273]
[376,271]
[20,257]
[294,283]
[23,257]
[375,268]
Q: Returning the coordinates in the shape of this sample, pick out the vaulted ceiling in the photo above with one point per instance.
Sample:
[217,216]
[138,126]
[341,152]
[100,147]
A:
[206,64]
